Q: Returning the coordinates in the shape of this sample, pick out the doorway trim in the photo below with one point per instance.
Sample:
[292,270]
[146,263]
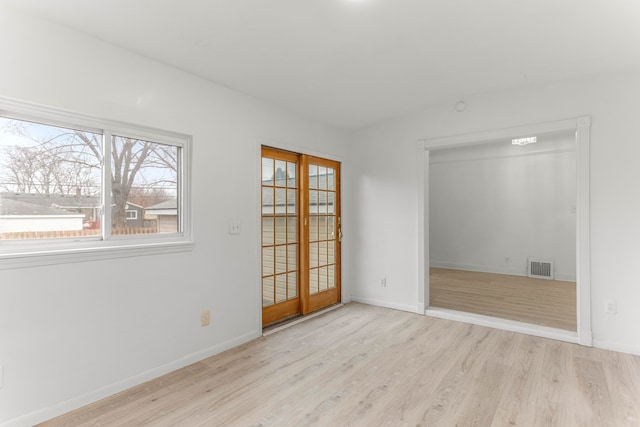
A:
[581,126]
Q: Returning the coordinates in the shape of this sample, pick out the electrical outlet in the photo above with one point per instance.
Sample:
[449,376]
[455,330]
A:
[205,318]
[383,282]
[610,307]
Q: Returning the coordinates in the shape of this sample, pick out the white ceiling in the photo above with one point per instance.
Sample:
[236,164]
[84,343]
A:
[353,63]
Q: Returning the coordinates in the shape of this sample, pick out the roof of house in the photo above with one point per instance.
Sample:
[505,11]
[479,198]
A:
[17,207]
[168,204]
[54,200]
[129,204]
[289,197]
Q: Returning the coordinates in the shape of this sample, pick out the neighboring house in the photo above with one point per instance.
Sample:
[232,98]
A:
[165,214]
[285,201]
[135,215]
[54,212]
[88,206]
[21,216]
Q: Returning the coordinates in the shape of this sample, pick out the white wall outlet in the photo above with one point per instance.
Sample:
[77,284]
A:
[383,282]
[205,318]
[234,226]
[610,307]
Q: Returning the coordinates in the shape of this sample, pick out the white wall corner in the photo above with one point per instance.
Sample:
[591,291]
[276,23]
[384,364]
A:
[420,309]
[585,338]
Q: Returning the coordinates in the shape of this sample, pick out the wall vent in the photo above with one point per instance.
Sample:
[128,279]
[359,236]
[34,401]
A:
[540,268]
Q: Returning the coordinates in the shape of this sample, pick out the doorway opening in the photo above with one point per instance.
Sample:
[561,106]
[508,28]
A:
[579,129]
[495,207]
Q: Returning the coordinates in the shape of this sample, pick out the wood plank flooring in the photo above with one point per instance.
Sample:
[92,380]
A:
[538,301]
[361,365]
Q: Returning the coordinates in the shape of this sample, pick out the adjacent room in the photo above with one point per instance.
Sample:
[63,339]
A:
[503,229]
[322,212]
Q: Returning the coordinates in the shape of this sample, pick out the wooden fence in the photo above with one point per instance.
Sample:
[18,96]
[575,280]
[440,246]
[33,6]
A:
[28,235]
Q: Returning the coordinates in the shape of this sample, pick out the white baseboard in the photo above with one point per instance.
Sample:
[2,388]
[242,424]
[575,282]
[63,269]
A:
[481,268]
[564,277]
[616,346]
[513,271]
[61,408]
[507,325]
[386,304]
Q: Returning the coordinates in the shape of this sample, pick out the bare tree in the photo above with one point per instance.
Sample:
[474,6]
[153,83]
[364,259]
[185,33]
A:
[39,170]
[68,161]
[20,170]
[129,159]
[148,195]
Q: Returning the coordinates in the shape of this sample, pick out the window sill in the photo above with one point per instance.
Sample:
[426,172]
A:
[54,256]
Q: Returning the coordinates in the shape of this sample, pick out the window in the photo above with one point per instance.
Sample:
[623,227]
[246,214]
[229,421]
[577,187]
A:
[75,184]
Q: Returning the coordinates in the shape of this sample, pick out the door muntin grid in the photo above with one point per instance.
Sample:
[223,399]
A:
[322,228]
[280,246]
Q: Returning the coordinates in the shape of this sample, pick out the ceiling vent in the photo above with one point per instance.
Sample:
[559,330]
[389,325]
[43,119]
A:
[540,268]
[525,141]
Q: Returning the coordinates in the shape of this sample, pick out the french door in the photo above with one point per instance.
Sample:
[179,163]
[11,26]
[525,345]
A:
[301,234]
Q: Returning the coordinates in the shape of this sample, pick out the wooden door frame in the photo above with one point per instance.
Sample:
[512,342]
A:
[278,145]
[581,126]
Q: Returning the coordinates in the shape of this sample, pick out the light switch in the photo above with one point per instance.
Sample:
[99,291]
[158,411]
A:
[234,226]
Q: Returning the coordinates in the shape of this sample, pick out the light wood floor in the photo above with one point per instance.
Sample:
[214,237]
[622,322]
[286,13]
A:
[542,302]
[361,365]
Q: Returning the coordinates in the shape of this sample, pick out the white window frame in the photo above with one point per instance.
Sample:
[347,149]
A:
[132,217]
[28,253]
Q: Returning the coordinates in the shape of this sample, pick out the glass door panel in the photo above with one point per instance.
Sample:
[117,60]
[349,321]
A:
[323,235]
[280,262]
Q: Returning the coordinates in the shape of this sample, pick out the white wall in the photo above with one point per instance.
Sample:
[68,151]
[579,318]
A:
[386,177]
[493,205]
[75,332]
